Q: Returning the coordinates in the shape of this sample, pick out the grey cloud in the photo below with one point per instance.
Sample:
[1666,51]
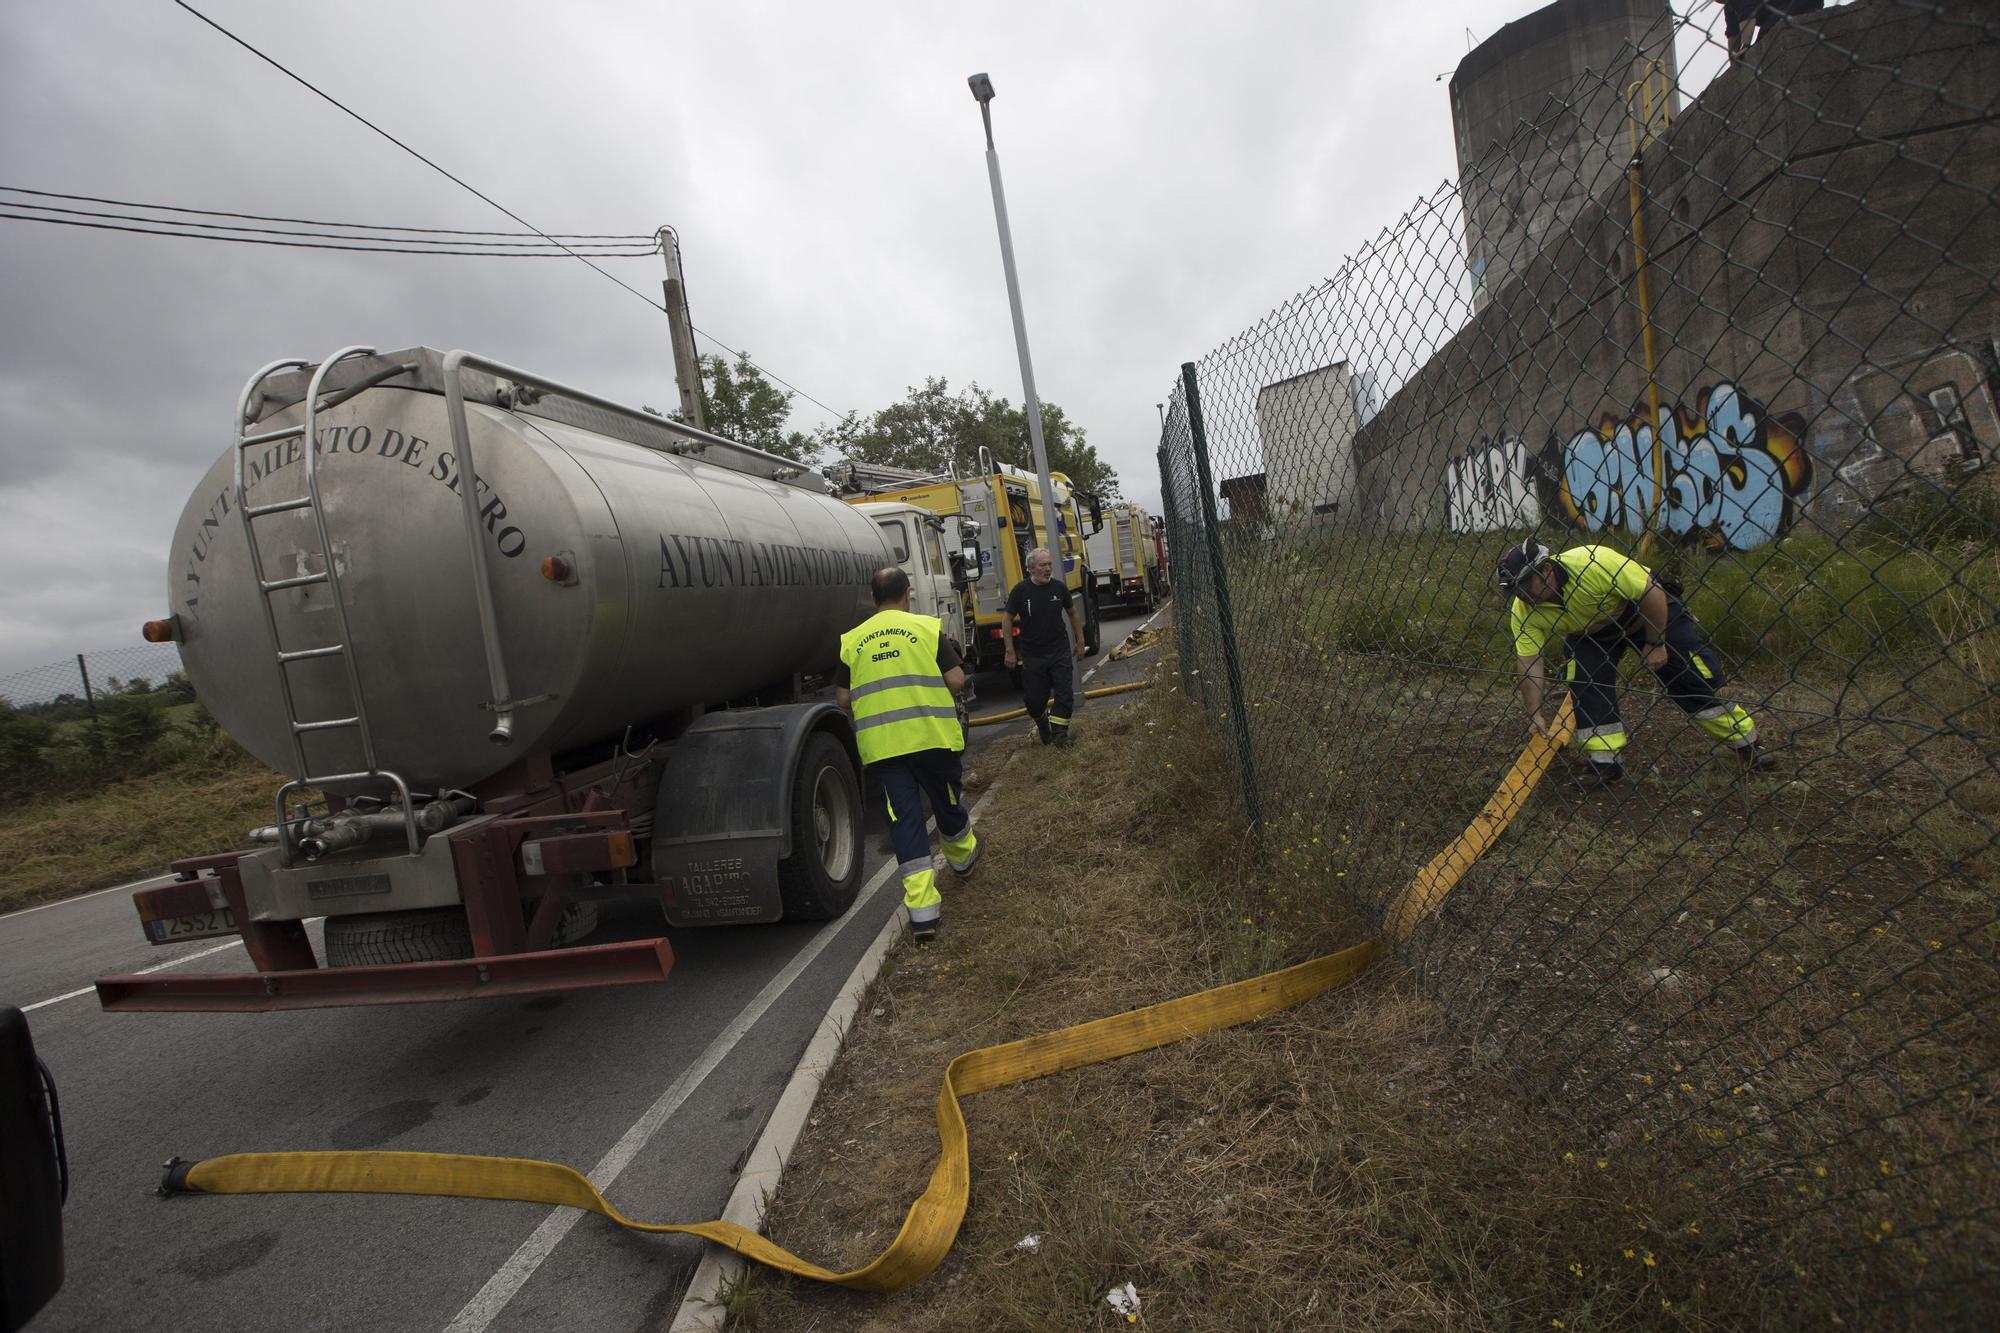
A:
[1174,172]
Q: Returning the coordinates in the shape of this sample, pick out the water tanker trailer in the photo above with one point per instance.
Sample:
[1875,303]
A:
[518,648]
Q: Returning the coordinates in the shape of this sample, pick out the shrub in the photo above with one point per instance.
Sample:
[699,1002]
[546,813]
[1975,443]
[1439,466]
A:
[21,741]
[130,725]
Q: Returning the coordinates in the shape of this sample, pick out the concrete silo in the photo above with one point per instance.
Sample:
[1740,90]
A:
[1539,114]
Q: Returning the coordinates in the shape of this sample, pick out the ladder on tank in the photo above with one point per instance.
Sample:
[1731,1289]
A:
[267,588]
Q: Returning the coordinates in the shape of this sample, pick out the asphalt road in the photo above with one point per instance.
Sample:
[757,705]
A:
[660,1090]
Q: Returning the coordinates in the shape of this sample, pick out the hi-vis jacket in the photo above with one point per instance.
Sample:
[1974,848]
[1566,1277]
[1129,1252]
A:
[1598,582]
[900,701]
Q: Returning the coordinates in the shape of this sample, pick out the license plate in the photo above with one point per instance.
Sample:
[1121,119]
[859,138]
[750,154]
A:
[194,926]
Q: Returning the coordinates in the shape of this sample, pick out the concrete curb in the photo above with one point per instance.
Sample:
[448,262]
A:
[701,1309]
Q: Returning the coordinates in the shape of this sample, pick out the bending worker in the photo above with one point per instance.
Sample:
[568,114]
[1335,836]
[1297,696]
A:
[1034,613]
[900,676]
[1601,603]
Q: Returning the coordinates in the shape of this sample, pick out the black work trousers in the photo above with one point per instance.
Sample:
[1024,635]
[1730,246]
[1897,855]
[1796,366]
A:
[1689,678]
[1043,674]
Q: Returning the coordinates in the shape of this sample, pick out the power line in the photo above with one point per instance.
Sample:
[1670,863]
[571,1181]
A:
[635,237]
[618,252]
[306,245]
[769,374]
[476,193]
[346,110]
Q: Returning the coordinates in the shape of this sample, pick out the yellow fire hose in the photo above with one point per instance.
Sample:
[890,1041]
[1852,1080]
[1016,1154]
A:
[1097,693]
[1138,641]
[933,1221]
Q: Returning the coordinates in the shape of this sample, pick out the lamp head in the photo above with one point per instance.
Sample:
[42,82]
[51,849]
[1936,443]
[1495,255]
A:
[982,88]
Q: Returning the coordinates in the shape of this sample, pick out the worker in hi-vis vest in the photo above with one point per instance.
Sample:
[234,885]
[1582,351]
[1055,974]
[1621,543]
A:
[900,676]
[1601,603]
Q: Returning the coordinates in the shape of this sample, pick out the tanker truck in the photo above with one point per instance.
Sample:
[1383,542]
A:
[518,649]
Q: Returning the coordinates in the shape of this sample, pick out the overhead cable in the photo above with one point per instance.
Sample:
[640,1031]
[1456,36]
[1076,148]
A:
[302,245]
[196,228]
[634,237]
[475,192]
[349,111]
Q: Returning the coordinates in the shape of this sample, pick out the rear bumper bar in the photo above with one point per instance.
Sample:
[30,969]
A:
[630,963]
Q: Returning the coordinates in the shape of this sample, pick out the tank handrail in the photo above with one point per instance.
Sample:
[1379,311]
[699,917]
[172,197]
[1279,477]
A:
[456,362]
[482,580]
[698,439]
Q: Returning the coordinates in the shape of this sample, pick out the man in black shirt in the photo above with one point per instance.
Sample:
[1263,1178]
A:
[1034,616]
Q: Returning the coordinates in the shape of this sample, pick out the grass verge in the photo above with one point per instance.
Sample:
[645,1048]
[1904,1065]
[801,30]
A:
[1349,1164]
[62,845]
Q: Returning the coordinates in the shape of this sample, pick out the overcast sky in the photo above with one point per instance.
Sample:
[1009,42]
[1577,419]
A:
[1173,172]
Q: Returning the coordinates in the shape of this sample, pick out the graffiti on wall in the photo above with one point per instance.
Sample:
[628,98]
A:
[1930,418]
[1734,474]
[1493,486]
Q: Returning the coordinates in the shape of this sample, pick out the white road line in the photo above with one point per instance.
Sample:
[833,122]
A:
[699,1309]
[157,967]
[480,1312]
[94,893]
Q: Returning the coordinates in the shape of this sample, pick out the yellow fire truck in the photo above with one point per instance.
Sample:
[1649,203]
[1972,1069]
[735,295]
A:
[1124,560]
[1000,511]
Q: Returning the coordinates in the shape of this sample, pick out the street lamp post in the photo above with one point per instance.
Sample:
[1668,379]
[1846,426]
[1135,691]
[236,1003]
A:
[982,89]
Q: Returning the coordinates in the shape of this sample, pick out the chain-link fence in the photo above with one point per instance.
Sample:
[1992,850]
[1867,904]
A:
[1745,340]
[90,717]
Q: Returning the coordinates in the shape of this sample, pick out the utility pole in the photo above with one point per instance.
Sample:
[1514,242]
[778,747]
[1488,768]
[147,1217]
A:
[982,89]
[687,367]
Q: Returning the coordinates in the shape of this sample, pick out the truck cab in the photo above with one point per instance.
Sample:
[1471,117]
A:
[933,550]
[999,513]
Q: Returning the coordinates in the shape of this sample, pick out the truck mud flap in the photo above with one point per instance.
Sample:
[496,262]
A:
[627,963]
[721,823]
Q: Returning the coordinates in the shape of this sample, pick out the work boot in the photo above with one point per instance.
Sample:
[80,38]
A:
[964,867]
[923,933]
[1754,758]
[1062,737]
[1596,774]
[1044,730]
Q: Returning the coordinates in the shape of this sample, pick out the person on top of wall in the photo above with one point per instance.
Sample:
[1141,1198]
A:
[899,676]
[1034,614]
[1600,603]
[1740,16]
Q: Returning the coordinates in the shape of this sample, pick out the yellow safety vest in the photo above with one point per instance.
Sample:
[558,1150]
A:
[900,701]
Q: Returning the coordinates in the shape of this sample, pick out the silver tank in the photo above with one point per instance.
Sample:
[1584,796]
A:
[701,572]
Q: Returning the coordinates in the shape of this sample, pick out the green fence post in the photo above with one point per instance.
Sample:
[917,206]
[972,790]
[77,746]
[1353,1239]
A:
[1175,537]
[1223,614]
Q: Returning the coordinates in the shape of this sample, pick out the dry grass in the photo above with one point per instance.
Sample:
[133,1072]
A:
[1787,983]
[1351,1164]
[59,846]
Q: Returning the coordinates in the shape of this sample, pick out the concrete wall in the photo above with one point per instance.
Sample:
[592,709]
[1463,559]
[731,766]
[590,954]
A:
[1540,116]
[1825,253]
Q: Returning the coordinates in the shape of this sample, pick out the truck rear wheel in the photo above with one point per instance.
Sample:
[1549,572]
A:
[430,935]
[819,880]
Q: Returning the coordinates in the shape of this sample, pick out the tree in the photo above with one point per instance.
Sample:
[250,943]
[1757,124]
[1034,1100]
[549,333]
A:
[935,430]
[130,725]
[738,403]
[21,741]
